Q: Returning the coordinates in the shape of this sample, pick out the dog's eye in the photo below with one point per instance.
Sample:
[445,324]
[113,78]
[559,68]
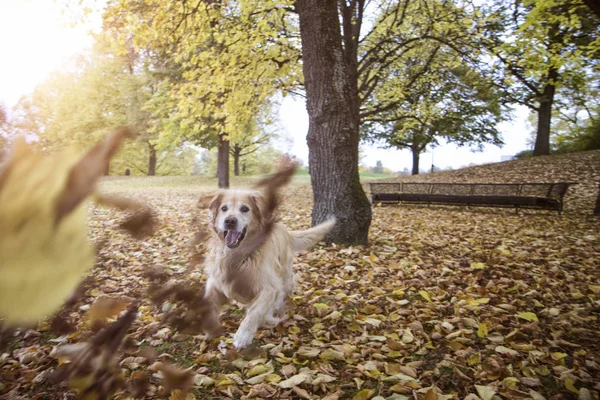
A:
[244,209]
[224,208]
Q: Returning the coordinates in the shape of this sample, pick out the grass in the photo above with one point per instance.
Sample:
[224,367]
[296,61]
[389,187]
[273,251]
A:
[202,182]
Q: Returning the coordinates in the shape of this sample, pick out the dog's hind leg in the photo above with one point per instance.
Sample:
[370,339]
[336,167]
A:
[256,315]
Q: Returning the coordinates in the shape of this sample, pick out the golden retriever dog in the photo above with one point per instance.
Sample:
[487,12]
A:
[250,258]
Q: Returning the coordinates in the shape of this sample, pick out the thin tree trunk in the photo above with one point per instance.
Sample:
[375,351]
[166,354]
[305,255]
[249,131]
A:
[333,134]
[236,160]
[107,169]
[415,164]
[152,160]
[542,140]
[223,162]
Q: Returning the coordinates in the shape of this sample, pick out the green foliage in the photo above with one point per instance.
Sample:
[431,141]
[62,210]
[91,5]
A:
[428,92]
[542,50]
[588,138]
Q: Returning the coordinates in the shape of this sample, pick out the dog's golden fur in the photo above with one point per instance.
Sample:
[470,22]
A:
[250,259]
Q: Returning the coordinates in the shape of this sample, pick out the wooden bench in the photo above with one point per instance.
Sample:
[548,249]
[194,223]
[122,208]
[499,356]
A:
[545,196]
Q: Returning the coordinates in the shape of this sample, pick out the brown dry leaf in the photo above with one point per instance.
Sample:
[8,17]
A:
[105,307]
[176,378]
[303,394]
[431,394]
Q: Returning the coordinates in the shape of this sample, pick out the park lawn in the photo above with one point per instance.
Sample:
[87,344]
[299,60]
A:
[444,303]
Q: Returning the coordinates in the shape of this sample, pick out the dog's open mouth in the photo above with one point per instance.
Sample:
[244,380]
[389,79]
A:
[233,238]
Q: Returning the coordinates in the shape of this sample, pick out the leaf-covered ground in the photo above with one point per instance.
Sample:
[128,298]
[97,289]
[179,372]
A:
[444,303]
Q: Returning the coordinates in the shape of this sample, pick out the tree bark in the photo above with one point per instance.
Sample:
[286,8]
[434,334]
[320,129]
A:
[415,163]
[333,135]
[236,160]
[542,140]
[223,161]
[152,160]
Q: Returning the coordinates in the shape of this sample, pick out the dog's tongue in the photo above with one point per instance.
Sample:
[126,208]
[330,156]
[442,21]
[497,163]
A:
[232,237]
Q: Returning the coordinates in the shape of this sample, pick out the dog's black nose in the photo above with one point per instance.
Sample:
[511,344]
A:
[230,222]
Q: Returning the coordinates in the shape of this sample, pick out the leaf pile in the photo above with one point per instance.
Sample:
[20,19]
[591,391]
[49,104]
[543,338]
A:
[443,304]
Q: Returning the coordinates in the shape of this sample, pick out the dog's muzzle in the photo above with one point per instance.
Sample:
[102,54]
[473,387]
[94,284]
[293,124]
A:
[232,236]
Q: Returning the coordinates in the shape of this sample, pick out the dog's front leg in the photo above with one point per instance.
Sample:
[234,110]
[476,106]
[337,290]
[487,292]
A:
[255,316]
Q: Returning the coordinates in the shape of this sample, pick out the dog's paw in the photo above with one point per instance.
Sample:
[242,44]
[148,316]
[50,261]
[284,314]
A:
[242,339]
[273,321]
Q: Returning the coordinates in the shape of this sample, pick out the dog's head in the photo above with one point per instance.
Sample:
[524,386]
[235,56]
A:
[235,215]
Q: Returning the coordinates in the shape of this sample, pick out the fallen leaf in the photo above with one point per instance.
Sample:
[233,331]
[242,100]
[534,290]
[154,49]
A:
[528,316]
[364,394]
[293,381]
[485,392]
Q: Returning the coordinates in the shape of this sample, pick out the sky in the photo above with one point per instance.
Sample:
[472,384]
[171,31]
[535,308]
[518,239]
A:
[37,39]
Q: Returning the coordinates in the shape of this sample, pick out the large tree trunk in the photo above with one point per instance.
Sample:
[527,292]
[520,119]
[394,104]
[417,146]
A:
[152,160]
[415,165]
[223,162]
[542,140]
[333,134]
[236,160]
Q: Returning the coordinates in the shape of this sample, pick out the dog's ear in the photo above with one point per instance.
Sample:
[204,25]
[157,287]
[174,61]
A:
[258,203]
[211,201]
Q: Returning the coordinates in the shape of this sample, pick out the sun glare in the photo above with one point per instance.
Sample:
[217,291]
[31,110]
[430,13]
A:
[37,38]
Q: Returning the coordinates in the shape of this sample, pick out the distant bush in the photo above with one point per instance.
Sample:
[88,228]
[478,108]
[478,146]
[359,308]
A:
[524,154]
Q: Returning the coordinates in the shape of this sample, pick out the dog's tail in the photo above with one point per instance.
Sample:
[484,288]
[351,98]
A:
[303,240]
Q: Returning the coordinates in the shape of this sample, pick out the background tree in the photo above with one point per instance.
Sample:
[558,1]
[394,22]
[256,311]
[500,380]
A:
[551,44]
[440,99]
[230,59]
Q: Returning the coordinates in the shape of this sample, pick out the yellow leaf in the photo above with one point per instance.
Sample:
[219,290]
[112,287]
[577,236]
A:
[478,265]
[528,316]
[321,306]
[559,356]
[257,370]
[510,383]
[331,354]
[293,330]
[425,295]
[475,359]
[44,246]
[273,378]
[431,395]
[569,384]
[482,331]
[364,394]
